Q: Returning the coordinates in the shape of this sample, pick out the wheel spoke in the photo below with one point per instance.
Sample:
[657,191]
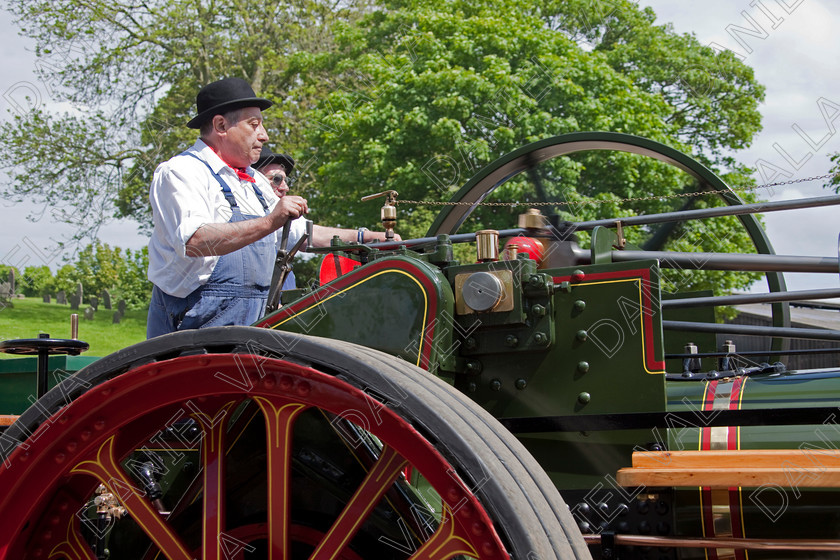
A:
[73,547]
[280,415]
[213,473]
[446,542]
[376,483]
[107,470]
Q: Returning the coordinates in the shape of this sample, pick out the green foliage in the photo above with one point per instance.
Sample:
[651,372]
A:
[130,73]
[834,183]
[99,267]
[306,270]
[410,95]
[4,272]
[437,90]
[712,97]
[37,281]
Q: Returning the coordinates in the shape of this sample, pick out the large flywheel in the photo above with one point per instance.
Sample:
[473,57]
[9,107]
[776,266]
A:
[528,159]
[238,442]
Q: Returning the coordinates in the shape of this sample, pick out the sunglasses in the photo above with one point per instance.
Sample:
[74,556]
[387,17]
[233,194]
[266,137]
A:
[276,180]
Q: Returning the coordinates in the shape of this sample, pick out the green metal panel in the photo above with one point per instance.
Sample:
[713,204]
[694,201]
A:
[616,368]
[18,378]
[398,305]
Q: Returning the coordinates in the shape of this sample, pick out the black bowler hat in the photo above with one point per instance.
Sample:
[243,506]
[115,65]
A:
[223,96]
[268,157]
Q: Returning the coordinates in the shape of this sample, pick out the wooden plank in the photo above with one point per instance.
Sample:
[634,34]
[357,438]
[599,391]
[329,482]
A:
[7,419]
[720,542]
[726,478]
[811,468]
[754,458]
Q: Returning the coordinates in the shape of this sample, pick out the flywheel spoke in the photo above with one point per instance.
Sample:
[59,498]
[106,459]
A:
[280,415]
[106,468]
[376,483]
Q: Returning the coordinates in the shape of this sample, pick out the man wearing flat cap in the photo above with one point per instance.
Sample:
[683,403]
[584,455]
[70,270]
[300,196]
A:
[212,251]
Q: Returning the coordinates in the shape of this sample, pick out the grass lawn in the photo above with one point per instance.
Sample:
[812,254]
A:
[30,316]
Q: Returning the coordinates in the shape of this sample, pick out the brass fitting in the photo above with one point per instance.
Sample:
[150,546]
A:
[487,245]
[388,213]
[532,219]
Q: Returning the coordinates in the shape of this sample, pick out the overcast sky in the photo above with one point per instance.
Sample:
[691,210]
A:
[791,44]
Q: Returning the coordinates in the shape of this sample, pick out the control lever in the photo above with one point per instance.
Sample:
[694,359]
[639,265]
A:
[283,265]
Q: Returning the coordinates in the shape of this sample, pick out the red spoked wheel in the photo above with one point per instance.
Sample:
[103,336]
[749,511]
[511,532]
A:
[298,446]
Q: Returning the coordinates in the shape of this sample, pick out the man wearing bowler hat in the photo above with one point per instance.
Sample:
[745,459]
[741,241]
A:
[212,251]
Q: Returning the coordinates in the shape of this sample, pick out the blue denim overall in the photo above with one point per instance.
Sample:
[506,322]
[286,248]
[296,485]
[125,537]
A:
[235,293]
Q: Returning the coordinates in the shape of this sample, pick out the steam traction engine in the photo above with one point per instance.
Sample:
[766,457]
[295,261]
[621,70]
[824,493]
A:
[415,406]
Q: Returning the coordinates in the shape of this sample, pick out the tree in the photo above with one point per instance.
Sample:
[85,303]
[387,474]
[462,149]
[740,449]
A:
[413,95]
[712,97]
[66,279]
[37,281]
[439,89]
[133,286]
[99,267]
[129,73]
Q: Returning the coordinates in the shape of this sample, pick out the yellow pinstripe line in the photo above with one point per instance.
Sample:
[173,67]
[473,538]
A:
[372,276]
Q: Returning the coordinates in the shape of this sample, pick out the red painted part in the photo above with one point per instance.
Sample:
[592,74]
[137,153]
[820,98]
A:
[706,507]
[333,266]
[132,407]
[528,245]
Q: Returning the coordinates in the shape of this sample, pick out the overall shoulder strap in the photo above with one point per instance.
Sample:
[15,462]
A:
[225,188]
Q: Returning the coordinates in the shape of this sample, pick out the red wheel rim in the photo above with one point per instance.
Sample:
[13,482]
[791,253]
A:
[45,481]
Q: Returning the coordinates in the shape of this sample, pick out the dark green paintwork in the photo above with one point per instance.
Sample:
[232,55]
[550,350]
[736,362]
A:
[18,379]
[401,307]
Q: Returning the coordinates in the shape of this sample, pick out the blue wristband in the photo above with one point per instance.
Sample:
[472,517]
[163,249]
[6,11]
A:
[360,235]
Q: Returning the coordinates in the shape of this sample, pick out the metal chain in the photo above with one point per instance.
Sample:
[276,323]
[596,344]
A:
[614,201]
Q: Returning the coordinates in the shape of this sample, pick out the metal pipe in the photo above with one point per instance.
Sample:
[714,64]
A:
[684,215]
[719,542]
[715,301]
[723,261]
[43,367]
[759,353]
[74,326]
[456,238]
[751,330]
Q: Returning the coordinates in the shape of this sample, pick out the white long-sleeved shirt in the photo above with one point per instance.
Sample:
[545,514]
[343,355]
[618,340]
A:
[186,195]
